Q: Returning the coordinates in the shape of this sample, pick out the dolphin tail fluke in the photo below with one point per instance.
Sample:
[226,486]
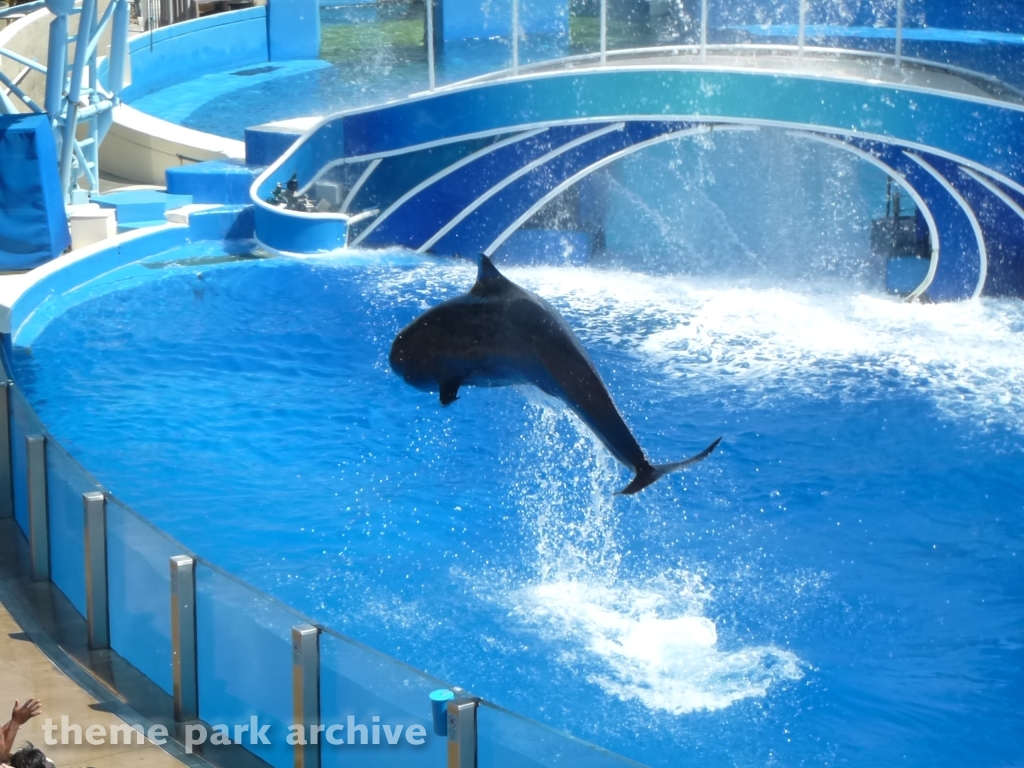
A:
[649,473]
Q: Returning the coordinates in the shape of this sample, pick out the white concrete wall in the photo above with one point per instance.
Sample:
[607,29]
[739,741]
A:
[29,37]
[140,147]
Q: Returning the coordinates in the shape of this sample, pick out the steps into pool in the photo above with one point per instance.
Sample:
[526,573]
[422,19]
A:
[213,183]
[226,182]
[137,209]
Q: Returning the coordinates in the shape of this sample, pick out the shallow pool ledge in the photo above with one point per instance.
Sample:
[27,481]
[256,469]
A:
[23,296]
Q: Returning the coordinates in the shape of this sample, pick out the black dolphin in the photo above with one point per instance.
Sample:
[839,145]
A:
[500,334]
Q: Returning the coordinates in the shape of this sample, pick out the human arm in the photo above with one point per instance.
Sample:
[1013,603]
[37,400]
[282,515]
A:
[20,715]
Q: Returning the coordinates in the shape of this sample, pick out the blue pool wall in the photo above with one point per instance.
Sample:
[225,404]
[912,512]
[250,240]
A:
[191,49]
[293,29]
[282,30]
[35,305]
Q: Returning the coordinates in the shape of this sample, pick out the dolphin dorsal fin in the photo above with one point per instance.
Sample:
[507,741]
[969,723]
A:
[486,270]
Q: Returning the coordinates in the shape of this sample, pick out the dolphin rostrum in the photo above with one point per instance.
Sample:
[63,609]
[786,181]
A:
[500,334]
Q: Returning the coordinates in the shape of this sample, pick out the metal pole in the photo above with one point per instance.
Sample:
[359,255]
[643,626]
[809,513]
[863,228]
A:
[56,66]
[604,31]
[97,615]
[900,14]
[38,522]
[184,669]
[118,47]
[6,486]
[86,20]
[802,33]
[462,733]
[430,43]
[515,37]
[306,691]
[703,30]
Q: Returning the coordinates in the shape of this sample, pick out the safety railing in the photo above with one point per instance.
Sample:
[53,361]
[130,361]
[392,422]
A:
[228,654]
[958,37]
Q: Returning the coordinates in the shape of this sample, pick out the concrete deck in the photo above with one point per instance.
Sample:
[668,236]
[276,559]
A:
[26,672]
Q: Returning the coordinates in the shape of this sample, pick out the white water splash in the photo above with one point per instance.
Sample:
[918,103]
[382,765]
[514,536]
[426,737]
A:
[639,638]
[967,358]
[653,643]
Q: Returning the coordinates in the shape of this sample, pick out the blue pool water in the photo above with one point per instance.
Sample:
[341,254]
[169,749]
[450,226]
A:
[841,584]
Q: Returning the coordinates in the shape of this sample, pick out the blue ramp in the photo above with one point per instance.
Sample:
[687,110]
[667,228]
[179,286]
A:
[463,168]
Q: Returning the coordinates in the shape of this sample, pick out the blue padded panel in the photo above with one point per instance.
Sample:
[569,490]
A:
[33,224]
[293,29]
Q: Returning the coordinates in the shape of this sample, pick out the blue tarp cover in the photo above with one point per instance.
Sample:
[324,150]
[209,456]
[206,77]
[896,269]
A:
[33,223]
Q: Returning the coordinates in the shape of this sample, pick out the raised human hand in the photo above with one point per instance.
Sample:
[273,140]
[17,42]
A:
[22,713]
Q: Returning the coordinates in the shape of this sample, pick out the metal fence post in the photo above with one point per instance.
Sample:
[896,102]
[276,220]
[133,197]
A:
[462,733]
[6,486]
[184,669]
[604,31]
[900,20]
[802,29]
[431,76]
[306,691]
[96,598]
[703,30]
[515,37]
[38,522]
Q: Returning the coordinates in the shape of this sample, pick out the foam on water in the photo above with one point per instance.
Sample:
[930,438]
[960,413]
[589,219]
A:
[965,356]
[758,338]
[653,644]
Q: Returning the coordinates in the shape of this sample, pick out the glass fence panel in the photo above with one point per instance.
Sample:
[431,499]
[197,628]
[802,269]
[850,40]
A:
[23,423]
[139,584]
[861,25]
[506,740]
[65,484]
[245,662]
[984,37]
[358,685]
[675,22]
[631,24]
[474,38]
[634,23]
[378,51]
[757,22]
[584,27]
[543,30]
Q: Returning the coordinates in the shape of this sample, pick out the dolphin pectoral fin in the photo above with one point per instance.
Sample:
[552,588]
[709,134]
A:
[648,473]
[449,392]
